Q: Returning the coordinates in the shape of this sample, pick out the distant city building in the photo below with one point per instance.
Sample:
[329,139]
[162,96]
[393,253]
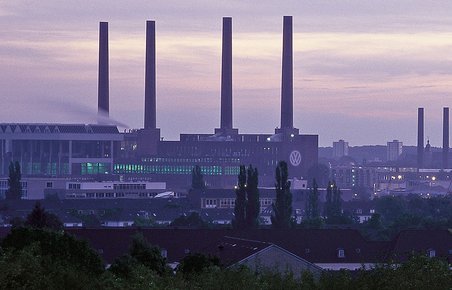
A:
[340,149]
[394,150]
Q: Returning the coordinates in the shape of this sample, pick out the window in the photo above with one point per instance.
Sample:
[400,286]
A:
[340,253]
[431,253]
[49,184]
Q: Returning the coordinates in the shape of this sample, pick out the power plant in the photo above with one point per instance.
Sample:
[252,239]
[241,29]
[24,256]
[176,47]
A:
[58,150]
[101,152]
[219,154]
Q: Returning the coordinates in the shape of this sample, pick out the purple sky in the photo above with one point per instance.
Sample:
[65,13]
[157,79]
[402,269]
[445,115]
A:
[361,68]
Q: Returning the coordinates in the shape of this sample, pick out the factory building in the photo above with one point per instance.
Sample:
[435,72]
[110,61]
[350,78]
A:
[74,150]
[219,154]
[59,149]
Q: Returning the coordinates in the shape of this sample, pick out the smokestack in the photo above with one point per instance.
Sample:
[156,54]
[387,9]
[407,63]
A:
[287,76]
[226,75]
[445,137]
[150,84]
[103,86]
[420,137]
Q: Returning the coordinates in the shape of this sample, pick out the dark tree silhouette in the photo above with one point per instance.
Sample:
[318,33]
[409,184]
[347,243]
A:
[40,218]
[194,220]
[282,208]
[14,191]
[253,206]
[312,207]
[196,263]
[197,178]
[239,221]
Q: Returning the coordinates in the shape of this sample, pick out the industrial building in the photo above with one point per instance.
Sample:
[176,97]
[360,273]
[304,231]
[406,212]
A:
[101,152]
[221,153]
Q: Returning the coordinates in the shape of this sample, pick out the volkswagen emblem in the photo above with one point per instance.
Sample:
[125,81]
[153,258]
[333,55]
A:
[295,158]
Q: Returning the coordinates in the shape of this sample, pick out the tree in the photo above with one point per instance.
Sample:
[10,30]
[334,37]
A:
[239,221]
[14,191]
[194,220]
[197,178]
[312,207]
[253,205]
[333,205]
[55,247]
[146,254]
[196,263]
[40,218]
[282,208]
[247,204]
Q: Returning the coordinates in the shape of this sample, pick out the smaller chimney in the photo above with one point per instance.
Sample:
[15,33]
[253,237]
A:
[150,84]
[445,137]
[226,75]
[420,138]
[103,85]
[287,76]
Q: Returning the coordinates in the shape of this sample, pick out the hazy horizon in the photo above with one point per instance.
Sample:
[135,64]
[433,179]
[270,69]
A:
[361,70]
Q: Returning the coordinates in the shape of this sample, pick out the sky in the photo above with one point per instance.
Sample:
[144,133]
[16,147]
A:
[361,68]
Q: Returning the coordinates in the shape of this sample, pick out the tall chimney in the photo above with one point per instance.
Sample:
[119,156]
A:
[287,76]
[150,84]
[226,75]
[445,137]
[103,86]
[420,137]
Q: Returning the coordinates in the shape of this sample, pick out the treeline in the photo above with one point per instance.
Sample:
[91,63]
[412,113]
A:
[39,255]
[43,259]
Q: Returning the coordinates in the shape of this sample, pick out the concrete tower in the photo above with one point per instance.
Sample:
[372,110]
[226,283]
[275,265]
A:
[103,85]
[150,87]
[420,137]
[287,128]
[445,137]
[287,76]
[226,127]
[149,137]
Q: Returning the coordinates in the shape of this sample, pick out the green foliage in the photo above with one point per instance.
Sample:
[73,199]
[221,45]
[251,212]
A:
[40,218]
[30,268]
[413,211]
[196,263]
[239,221]
[247,205]
[14,191]
[333,206]
[312,205]
[41,259]
[143,222]
[147,255]
[194,220]
[282,208]
[140,253]
[253,205]
[197,178]
[56,247]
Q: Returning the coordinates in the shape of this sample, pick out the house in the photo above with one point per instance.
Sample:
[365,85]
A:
[326,248]
[433,243]
[259,256]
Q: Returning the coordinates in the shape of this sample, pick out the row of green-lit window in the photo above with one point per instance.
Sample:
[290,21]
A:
[94,168]
[47,168]
[188,160]
[173,169]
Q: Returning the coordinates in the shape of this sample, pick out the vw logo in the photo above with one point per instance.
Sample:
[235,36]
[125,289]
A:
[295,158]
